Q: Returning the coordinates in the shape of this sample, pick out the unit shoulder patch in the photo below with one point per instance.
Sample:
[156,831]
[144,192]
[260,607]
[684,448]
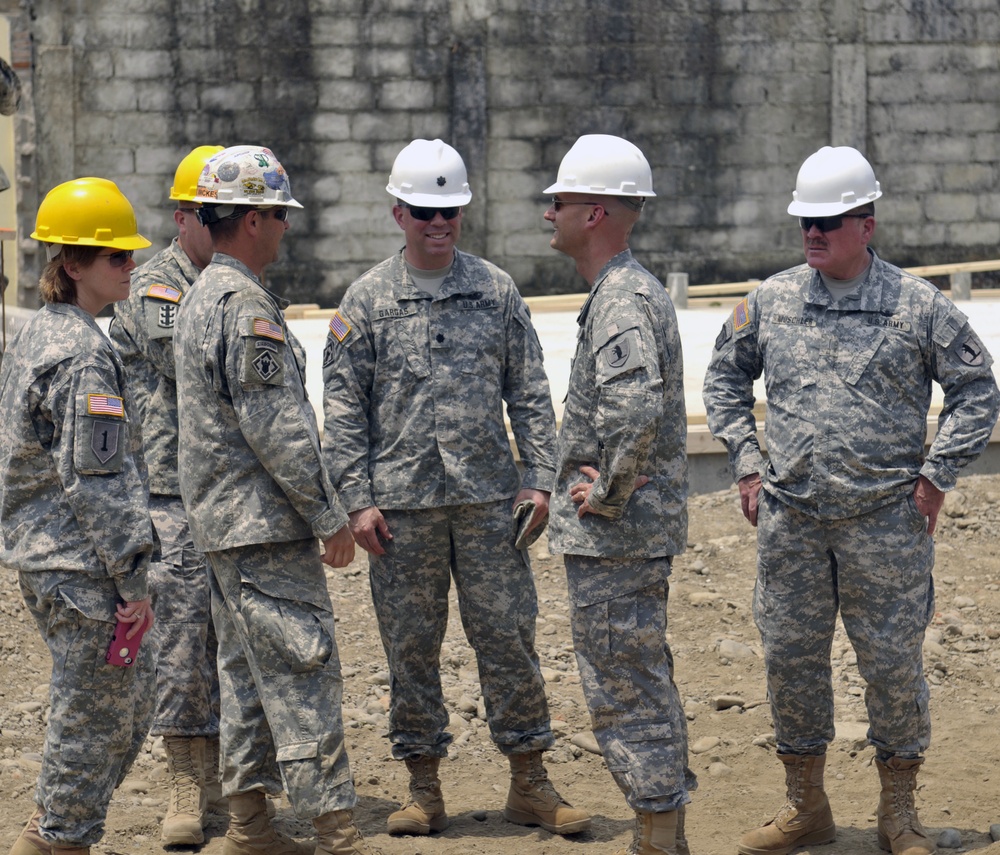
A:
[100,434]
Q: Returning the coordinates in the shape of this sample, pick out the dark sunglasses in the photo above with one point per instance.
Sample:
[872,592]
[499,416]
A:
[280,214]
[118,259]
[556,204]
[829,224]
[427,214]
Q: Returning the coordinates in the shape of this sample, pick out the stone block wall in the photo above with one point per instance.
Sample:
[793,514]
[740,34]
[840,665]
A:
[725,97]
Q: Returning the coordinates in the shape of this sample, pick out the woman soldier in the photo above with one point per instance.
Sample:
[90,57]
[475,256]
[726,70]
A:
[74,514]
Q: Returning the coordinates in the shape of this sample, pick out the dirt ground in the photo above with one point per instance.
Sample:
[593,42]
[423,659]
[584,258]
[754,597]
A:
[720,675]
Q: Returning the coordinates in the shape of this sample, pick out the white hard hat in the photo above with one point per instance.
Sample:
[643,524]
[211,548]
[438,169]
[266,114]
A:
[832,181]
[243,175]
[430,173]
[606,166]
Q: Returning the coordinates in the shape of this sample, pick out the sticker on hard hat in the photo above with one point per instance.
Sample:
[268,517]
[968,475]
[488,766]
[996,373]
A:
[229,171]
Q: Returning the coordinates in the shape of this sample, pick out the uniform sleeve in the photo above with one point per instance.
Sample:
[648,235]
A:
[629,397]
[152,313]
[529,401]
[728,390]
[274,415]
[348,376]
[963,367]
[93,453]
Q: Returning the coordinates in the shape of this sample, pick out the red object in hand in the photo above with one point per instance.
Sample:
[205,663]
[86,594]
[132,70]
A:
[124,651]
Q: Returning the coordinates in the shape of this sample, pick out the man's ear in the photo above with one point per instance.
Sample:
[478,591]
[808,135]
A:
[397,215]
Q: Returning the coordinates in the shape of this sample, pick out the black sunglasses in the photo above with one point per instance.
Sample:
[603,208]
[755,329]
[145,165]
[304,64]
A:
[556,204]
[118,259]
[427,214]
[829,224]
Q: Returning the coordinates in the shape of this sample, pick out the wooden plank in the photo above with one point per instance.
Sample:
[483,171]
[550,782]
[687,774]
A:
[296,311]
[960,267]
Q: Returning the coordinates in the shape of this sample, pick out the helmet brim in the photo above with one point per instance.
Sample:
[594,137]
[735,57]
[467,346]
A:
[559,187]
[428,200]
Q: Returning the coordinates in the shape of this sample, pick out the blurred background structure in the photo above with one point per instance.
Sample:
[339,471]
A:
[725,97]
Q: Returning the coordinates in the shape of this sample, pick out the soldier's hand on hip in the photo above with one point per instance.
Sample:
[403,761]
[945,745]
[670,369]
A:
[749,493]
[929,500]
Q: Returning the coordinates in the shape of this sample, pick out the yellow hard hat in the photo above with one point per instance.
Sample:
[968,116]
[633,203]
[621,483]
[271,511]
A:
[186,177]
[88,212]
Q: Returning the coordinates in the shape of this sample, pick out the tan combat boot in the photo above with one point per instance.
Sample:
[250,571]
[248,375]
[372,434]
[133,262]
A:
[424,810]
[656,834]
[804,820]
[250,830]
[32,843]
[336,834]
[182,826]
[682,844]
[532,800]
[899,830]
[215,801]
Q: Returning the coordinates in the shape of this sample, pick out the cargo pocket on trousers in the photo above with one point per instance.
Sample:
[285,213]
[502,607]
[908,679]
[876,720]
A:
[297,751]
[77,754]
[287,637]
[644,755]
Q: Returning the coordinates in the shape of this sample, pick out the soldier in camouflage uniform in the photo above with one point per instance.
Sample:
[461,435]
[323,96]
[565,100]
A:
[74,513]
[619,510]
[422,355]
[258,498]
[846,502]
[187,682]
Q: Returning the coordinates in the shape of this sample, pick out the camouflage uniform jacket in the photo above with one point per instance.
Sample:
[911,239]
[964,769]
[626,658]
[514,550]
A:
[848,388]
[415,387]
[624,415]
[250,465]
[74,486]
[143,333]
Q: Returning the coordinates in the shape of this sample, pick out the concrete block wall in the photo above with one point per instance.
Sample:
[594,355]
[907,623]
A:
[725,97]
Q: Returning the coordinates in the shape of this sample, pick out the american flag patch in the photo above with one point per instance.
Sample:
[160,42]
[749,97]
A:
[339,327]
[105,405]
[267,329]
[741,315]
[164,292]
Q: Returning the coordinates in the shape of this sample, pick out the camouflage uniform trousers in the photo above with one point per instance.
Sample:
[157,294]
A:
[618,611]
[99,713]
[187,679]
[876,568]
[280,680]
[498,606]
